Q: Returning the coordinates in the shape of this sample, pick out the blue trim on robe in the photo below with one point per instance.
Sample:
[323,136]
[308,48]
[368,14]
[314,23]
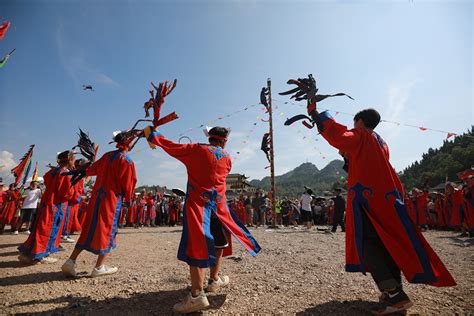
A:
[153,135]
[256,247]
[68,212]
[57,220]
[321,118]
[359,202]
[112,245]
[427,276]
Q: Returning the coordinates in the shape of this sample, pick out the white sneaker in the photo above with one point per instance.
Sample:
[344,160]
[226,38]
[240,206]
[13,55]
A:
[192,304]
[67,239]
[103,270]
[26,232]
[69,268]
[48,260]
[214,285]
[15,232]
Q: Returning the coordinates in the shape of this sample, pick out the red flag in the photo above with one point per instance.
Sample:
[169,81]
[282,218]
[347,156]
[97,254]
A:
[423,128]
[20,170]
[3,29]
[450,135]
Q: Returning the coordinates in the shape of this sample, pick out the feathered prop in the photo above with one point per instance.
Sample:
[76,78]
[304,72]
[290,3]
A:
[89,150]
[86,146]
[21,171]
[307,90]
[156,102]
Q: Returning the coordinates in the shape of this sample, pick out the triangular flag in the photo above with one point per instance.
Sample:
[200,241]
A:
[35,174]
[423,128]
[4,28]
[450,135]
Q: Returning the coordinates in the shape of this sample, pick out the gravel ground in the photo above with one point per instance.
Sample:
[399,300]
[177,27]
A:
[298,272]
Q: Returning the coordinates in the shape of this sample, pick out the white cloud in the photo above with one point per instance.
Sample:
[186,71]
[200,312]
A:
[6,164]
[398,97]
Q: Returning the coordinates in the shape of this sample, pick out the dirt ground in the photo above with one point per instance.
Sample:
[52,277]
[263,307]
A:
[298,272]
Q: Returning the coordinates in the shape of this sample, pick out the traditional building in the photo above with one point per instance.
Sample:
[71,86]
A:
[237,183]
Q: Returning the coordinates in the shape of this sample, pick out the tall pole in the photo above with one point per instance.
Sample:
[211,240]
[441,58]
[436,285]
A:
[272,157]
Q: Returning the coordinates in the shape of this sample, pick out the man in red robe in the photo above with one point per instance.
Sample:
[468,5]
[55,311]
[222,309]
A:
[141,209]
[207,220]
[46,234]
[380,237]
[114,185]
[150,210]
[455,206]
[11,204]
[3,195]
[469,201]
[72,208]
[439,206]
[132,211]
[421,208]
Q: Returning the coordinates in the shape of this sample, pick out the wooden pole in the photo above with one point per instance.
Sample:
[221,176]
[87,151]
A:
[272,157]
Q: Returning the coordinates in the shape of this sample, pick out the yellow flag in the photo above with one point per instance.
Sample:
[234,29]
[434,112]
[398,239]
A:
[35,173]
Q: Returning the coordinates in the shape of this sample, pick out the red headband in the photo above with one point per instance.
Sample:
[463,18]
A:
[217,137]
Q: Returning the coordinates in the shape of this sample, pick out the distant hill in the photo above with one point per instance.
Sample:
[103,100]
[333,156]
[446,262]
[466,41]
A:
[452,157]
[291,183]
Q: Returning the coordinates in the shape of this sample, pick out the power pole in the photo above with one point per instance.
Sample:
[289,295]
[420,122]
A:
[272,157]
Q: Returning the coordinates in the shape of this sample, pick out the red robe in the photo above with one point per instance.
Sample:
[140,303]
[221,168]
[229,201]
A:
[3,197]
[421,208]
[132,211]
[150,210]
[238,208]
[330,214]
[9,210]
[82,210]
[141,210]
[439,209]
[115,182]
[73,208]
[455,208]
[207,167]
[410,209]
[374,188]
[173,208]
[46,234]
[469,199]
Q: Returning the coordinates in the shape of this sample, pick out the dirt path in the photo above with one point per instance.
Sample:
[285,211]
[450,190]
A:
[297,272]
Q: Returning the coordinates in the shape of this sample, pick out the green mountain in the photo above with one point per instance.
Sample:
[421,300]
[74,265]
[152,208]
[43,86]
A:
[291,183]
[452,157]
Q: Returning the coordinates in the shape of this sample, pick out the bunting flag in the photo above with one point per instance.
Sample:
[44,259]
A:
[4,59]
[4,28]
[21,171]
[421,128]
[35,174]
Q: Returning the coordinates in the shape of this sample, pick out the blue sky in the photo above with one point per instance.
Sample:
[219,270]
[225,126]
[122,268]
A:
[411,60]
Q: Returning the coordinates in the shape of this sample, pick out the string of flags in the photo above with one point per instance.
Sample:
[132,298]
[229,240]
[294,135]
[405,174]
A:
[281,117]
[421,128]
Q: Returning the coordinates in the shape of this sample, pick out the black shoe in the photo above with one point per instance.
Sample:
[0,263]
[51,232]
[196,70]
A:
[397,301]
